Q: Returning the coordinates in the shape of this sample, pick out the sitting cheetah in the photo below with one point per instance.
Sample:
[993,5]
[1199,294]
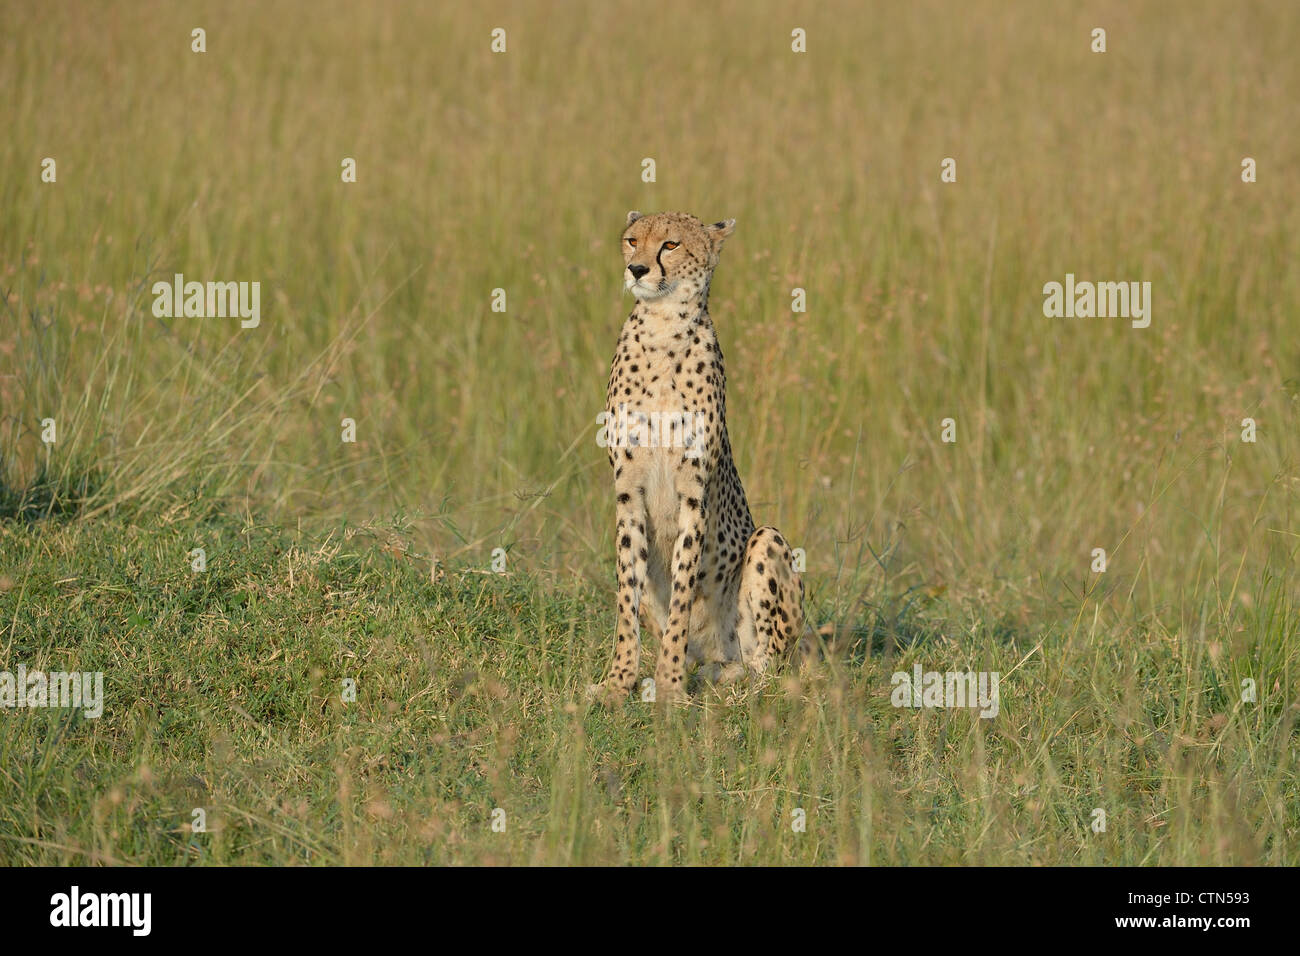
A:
[690,563]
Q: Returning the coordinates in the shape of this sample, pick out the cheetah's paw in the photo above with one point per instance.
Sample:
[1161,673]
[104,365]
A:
[606,694]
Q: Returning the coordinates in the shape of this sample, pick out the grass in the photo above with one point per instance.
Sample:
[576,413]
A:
[476,430]
[223,692]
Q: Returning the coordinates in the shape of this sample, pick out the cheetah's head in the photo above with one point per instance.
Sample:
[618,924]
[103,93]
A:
[670,253]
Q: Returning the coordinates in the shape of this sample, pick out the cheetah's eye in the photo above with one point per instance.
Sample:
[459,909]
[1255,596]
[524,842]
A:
[670,246]
[632,243]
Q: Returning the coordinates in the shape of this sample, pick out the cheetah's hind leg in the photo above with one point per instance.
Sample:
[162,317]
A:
[721,672]
[771,601]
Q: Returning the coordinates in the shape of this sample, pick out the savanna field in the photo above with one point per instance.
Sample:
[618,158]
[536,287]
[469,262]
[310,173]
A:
[1125,691]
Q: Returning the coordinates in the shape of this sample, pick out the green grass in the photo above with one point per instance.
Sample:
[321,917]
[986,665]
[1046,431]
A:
[476,430]
[223,692]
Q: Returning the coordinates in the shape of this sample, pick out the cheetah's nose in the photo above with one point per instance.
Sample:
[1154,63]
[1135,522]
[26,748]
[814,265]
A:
[637,270]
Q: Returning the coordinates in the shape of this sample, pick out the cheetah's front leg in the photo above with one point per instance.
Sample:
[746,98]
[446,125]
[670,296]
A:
[632,556]
[670,672]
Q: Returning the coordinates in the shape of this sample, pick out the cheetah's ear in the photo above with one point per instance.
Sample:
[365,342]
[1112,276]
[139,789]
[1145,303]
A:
[721,230]
[632,217]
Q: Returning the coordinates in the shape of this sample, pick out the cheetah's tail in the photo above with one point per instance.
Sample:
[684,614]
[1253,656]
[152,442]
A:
[812,646]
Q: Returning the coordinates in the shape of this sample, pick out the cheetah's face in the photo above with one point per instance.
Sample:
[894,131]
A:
[669,251]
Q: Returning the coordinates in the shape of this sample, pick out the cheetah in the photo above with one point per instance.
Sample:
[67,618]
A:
[717,592]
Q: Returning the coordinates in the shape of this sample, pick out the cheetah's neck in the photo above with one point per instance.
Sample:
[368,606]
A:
[673,317]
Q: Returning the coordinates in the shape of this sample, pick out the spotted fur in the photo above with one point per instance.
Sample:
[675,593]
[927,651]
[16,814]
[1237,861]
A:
[691,565]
